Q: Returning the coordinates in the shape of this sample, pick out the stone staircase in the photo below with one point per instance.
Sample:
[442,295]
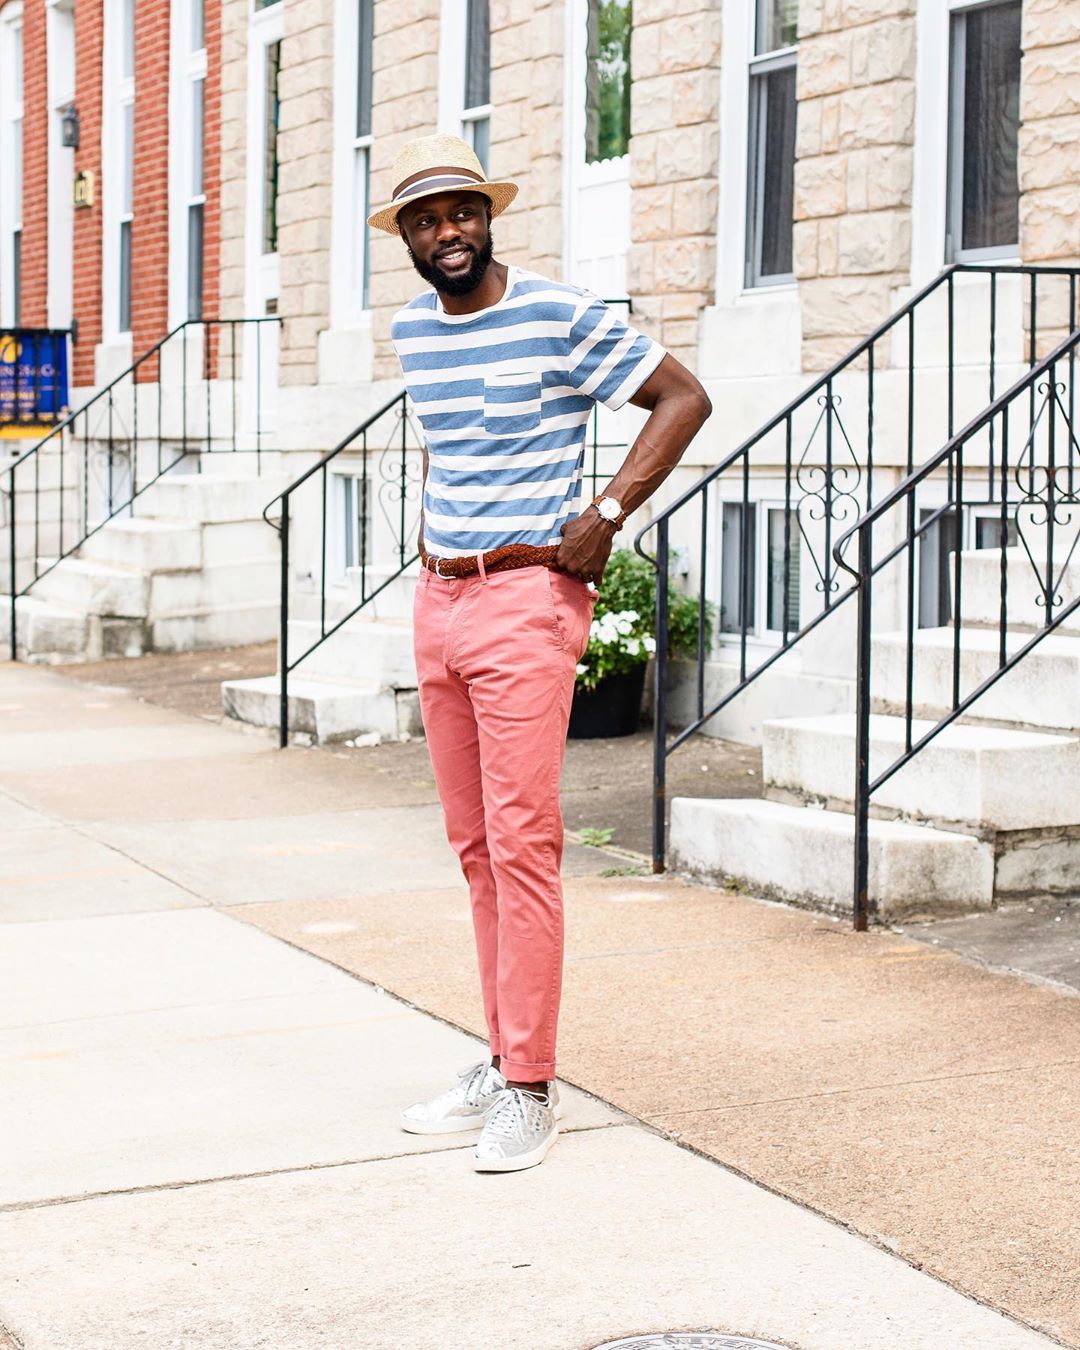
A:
[989,809]
[196,567]
[360,681]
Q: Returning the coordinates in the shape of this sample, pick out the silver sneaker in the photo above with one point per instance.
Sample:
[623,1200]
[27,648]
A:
[519,1130]
[463,1107]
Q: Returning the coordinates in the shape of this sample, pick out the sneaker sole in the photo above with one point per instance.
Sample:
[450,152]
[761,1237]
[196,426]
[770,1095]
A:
[460,1126]
[443,1126]
[522,1161]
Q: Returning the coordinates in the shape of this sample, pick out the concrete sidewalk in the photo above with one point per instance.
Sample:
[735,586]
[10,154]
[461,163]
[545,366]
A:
[199,1125]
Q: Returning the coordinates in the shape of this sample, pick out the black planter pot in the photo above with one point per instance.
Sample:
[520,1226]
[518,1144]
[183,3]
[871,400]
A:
[613,708]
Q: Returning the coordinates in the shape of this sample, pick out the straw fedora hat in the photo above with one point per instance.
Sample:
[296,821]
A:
[433,164]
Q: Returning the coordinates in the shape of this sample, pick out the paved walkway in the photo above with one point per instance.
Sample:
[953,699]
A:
[199,1139]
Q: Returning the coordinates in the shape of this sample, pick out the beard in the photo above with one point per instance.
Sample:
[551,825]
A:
[463,285]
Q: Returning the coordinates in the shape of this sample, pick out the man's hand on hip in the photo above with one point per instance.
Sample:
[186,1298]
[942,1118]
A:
[586,546]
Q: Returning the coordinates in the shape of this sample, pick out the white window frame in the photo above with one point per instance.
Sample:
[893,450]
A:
[188,67]
[60,76]
[739,30]
[11,124]
[759,632]
[262,287]
[931,158]
[760,64]
[454,118]
[351,203]
[342,485]
[118,94]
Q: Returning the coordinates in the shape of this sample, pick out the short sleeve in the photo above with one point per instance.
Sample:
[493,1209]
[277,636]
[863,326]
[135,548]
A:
[609,361]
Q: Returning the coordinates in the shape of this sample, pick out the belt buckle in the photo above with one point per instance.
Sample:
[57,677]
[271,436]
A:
[438,564]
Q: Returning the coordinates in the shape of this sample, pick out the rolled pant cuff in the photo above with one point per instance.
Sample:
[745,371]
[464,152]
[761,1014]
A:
[516,1071]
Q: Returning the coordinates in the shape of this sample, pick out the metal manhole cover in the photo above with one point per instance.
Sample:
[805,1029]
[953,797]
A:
[687,1340]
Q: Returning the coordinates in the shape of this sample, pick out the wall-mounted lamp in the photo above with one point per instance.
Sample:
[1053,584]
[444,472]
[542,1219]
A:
[69,127]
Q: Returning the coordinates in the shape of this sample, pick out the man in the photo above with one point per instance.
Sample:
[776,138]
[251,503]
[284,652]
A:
[503,368]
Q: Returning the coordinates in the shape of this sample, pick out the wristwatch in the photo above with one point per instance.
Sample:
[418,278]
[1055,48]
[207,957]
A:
[611,511]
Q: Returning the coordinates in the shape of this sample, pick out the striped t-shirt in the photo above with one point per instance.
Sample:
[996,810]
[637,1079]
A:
[504,396]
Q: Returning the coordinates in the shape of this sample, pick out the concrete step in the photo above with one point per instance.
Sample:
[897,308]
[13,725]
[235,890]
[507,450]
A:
[800,854]
[95,588]
[226,541]
[146,544]
[395,602]
[222,586]
[44,631]
[326,710]
[981,593]
[966,774]
[376,651]
[213,497]
[1042,691]
[223,626]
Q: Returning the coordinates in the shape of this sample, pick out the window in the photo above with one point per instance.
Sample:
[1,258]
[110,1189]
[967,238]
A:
[771,158]
[15,135]
[988,532]
[127,210]
[362,149]
[984,117]
[784,537]
[738,562]
[354,515]
[272,113]
[196,202]
[607,90]
[760,559]
[476,111]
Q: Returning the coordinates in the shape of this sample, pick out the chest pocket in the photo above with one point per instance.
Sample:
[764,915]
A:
[511,402]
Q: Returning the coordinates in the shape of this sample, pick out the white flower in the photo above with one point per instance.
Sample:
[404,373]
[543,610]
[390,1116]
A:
[650,644]
[633,647]
[580,669]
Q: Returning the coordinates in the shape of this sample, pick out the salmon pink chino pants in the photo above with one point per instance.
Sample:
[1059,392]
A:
[495,661]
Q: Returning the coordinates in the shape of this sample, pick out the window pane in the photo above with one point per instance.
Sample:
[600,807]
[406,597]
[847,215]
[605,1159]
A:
[988,532]
[127,167]
[265,4]
[607,92]
[991,119]
[16,274]
[124,317]
[772,173]
[363,67]
[480,135]
[776,573]
[198,90]
[127,39]
[198,25]
[478,55]
[738,552]
[936,547]
[270,158]
[363,186]
[776,24]
[195,261]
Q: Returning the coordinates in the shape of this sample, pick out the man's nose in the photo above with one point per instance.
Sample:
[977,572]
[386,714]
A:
[447,231]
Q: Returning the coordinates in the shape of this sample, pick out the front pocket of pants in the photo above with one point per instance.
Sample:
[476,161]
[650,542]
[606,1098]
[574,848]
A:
[572,606]
[511,402]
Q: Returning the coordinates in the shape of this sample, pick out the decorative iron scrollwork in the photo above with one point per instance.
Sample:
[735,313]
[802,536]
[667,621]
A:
[830,490]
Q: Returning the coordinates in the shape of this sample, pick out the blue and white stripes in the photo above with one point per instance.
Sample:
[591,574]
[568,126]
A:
[504,396]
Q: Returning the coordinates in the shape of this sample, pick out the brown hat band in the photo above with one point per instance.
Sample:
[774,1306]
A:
[430,180]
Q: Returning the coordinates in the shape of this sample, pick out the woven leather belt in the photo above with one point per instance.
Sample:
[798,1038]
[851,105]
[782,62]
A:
[503,559]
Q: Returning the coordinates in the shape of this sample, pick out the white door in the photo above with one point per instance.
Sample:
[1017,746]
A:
[597,190]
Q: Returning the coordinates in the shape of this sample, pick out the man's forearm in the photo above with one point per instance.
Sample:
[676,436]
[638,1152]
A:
[672,425]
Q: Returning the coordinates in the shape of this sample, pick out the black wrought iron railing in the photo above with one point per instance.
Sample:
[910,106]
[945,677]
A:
[369,512]
[1020,457]
[198,391]
[361,530]
[811,471]
[33,377]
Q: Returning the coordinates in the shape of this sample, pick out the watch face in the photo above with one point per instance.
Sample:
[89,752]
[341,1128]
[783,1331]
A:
[608,508]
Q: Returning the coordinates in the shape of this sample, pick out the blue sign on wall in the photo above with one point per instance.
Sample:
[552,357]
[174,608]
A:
[33,375]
